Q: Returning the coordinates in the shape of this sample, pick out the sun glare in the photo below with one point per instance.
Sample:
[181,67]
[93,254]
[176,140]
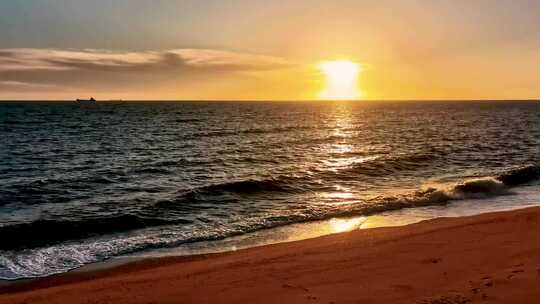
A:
[341,80]
[343,225]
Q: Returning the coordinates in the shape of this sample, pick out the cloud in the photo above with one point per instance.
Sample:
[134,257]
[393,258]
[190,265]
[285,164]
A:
[89,70]
[20,86]
[115,61]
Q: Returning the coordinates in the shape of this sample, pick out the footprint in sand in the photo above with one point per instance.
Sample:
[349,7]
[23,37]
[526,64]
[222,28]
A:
[431,261]
[446,299]
[515,270]
[288,286]
[479,288]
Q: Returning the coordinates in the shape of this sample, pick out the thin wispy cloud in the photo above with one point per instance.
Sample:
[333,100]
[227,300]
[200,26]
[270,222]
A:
[61,60]
[20,86]
[33,69]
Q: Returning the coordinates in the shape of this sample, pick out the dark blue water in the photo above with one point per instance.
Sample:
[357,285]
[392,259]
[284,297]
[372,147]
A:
[80,182]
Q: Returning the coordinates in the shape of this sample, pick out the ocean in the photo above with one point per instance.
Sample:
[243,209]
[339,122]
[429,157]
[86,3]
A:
[85,182]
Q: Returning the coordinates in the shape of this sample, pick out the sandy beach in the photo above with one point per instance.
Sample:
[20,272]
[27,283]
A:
[489,258]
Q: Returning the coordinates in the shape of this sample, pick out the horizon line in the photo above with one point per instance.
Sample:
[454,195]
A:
[274,100]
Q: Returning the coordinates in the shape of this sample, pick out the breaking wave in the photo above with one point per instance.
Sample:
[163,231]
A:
[41,237]
[169,212]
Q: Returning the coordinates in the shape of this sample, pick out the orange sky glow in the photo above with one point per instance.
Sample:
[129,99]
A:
[267,50]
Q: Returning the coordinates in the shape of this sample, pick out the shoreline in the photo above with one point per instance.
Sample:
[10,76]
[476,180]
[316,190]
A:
[492,256]
[297,232]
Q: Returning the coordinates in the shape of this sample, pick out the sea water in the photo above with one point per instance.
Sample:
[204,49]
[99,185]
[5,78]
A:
[84,182]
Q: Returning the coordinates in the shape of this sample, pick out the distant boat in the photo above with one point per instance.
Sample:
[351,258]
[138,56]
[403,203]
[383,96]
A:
[87,100]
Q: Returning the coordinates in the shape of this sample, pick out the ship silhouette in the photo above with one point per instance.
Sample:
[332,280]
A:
[88,100]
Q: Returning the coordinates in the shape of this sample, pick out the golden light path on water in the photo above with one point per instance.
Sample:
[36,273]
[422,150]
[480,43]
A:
[341,154]
[338,154]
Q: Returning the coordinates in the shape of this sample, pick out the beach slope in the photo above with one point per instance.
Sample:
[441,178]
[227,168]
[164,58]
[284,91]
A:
[489,258]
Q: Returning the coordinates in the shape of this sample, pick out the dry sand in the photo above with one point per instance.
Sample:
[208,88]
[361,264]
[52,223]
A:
[490,258]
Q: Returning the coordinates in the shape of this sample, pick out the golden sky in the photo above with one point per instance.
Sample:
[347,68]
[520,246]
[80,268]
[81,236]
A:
[268,50]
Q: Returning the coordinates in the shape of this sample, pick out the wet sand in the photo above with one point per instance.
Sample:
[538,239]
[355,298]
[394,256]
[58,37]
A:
[489,258]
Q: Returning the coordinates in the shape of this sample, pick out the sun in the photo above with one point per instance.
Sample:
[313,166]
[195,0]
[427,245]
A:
[341,80]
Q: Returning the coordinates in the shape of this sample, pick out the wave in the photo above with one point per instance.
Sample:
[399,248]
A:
[430,196]
[60,184]
[15,263]
[182,162]
[153,170]
[172,213]
[470,189]
[169,211]
[50,190]
[250,186]
[520,176]
[277,129]
[46,232]
[434,195]
[23,122]
[187,200]
[187,120]
[382,166]
[479,188]
[254,131]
